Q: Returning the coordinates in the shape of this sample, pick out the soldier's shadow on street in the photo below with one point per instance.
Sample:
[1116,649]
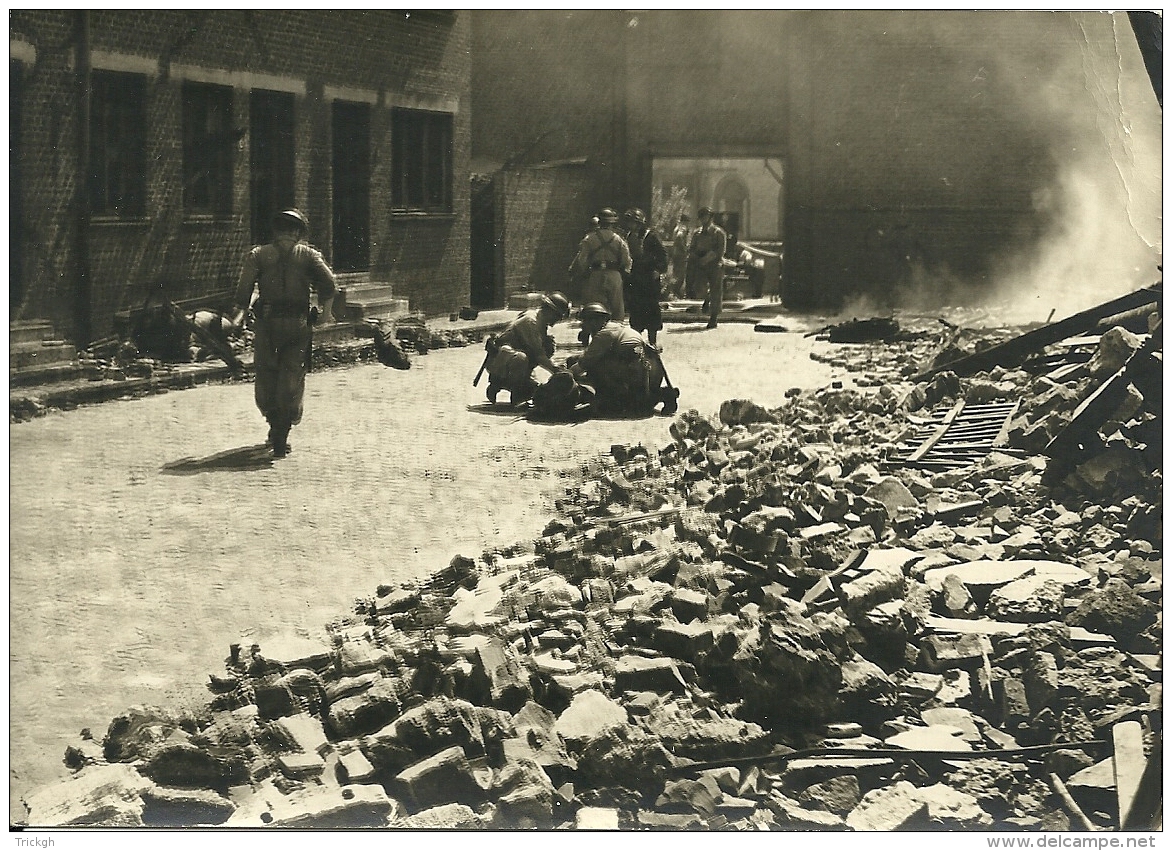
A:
[490,410]
[242,460]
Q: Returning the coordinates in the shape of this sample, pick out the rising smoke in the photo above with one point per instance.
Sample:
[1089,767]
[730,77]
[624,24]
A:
[1039,185]
[1102,236]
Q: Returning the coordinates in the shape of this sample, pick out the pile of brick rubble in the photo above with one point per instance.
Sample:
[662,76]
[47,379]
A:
[767,583]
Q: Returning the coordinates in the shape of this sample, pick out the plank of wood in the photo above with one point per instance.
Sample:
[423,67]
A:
[1129,763]
[940,432]
[985,626]
[1002,437]
[1012,352]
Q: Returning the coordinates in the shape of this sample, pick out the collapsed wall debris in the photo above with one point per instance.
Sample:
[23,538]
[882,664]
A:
[774,621]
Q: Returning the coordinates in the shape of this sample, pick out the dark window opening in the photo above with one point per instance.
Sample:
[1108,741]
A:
[351,169]
[117,178]
[208,141]
[421,161]
[271,167]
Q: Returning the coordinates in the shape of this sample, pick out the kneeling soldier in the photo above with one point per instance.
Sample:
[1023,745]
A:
[523,345]
[626,374]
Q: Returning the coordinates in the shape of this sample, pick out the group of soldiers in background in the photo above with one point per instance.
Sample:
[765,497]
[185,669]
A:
[622,265]
[617,373]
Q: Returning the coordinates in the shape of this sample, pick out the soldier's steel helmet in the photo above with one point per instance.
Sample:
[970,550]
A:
[594,309]
[557,303]
[291,217]
[636,215]
[608,215]
[705,211]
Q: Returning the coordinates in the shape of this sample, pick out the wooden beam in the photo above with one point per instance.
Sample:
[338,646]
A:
[1094,410]
[1013,352]
[1129,764]
[927,445]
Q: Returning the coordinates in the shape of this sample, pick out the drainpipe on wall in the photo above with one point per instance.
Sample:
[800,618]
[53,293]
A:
[83,308]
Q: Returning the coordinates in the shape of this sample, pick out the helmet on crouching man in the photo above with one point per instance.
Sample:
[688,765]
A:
[557,303]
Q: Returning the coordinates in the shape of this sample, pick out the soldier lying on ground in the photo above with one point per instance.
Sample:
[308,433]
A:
[215,324]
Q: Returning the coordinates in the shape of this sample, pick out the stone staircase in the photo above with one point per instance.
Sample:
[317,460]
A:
[359,299]
[36,351]
[366,299]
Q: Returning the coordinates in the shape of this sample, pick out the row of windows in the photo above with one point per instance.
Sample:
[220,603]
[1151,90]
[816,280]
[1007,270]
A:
[421,155]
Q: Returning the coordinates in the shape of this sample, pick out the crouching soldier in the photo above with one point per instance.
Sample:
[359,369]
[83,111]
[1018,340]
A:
[524,344]
[625,372]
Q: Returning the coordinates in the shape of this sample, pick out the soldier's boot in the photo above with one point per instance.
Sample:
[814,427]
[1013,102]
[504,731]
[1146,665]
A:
[671,399]
[493,389]
[279,439]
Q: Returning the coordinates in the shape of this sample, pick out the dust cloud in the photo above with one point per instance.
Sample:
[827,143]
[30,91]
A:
[1103,214]
[1090,224]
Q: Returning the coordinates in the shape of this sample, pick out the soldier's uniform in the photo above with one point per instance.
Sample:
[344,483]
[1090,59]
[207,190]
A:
[648,263]
[705,263]
[626,377]
[287,277]
[520,347]
[604,258]
[524,344]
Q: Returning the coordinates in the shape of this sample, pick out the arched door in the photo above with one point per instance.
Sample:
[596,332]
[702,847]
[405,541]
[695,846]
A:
[732,199]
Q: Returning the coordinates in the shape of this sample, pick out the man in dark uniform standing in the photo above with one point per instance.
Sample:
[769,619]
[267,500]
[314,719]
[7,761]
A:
[648,263]
[289,273]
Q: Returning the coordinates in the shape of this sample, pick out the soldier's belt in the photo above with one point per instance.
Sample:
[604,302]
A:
[281,310]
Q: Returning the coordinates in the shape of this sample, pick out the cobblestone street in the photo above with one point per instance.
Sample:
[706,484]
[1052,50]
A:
[148,534]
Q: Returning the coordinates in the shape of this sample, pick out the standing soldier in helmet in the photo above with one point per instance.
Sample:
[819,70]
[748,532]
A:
[289,273]
[604,259]
[648,263]
[625,373]
[524,344]
[706,262]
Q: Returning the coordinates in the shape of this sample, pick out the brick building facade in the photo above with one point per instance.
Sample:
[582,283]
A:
[897,155]
[524,221]
[204,122]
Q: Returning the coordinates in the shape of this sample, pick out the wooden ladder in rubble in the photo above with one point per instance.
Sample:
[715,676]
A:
[958,437]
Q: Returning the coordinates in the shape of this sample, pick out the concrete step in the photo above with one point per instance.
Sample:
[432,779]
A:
[383,308]
[351,279]
[361,293]
[51,373]
[25,355]
[29,331]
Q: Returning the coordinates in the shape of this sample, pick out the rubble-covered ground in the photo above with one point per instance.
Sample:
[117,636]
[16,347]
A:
[768,582]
